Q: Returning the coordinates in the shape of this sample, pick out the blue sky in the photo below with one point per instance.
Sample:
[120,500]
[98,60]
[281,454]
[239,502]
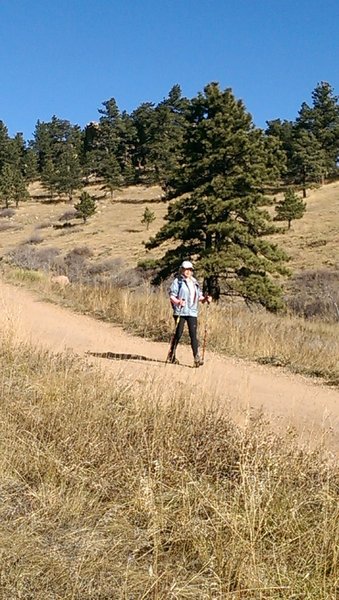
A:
[66,57]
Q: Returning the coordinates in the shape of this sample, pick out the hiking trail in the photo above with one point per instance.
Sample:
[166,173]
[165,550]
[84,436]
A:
[240,386]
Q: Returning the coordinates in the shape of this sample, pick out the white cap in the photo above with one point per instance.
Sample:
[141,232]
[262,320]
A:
[187,265]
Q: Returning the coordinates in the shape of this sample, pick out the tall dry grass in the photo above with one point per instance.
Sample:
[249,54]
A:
[303,346]
[108,493]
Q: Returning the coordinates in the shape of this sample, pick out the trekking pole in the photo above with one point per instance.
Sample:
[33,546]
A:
[205,334]
[171,344]
[173,336]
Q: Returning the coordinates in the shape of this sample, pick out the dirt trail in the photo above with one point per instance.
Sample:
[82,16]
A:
[241,386]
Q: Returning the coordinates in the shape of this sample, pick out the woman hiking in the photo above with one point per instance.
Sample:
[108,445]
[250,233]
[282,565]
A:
[185,296]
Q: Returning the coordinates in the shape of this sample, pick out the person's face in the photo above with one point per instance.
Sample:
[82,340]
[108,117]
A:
[188,272]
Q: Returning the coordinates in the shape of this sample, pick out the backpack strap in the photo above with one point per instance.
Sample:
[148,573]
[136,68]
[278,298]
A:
[180,282]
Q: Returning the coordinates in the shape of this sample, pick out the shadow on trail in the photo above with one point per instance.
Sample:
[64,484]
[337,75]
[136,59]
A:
[122,356]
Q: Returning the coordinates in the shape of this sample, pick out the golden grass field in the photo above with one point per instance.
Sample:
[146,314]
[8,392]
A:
[116,230]
[313,241]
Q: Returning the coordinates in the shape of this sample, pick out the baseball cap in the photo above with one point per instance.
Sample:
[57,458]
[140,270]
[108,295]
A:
[186,265]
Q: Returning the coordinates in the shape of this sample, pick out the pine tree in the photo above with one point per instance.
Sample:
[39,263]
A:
[111,174]
[305,158]
[283,133]
[290,208]
[86,206]
[7,184]
[167,135]
[219,220]
[148,217]
[144,122]
[308,159]
[12,186]
[58,146]
[4,143]
[30,167]
[108,154]
[128,142]
[16,152]
[322,120]
[49,177]
[68,171]
[21,192]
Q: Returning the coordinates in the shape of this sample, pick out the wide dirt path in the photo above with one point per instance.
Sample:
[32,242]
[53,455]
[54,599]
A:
[240,387]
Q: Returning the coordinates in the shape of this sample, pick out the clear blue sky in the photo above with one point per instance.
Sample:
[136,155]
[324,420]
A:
[66,57]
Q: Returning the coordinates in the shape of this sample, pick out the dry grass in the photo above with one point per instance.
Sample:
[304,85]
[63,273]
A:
[309,347]
[116,230]
[109,494]
[313,241]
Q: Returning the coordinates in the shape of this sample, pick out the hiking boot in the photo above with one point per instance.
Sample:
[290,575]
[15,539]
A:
[198,362]
[171,359]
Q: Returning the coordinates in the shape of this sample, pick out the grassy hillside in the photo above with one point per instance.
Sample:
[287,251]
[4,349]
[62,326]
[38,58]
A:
[115,231]
[313,241]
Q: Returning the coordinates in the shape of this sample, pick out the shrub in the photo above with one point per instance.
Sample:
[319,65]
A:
[76,264]
[7,212]
[43,225]
[26,257]
[148,264]
[68,215]
[83,251]
[315,294]
[109,266]
[35,238]
[130,278]
[6,226]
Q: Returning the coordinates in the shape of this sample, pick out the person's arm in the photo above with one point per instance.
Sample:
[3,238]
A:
[173,294]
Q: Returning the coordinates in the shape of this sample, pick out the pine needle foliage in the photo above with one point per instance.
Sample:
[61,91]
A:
[219,218]
[148,217]
[290,208]
[86,206]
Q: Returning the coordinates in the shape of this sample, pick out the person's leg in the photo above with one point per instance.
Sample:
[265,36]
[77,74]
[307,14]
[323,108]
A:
[176,338]
[192,323]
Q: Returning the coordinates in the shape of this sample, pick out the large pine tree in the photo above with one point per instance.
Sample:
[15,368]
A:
[219,219]
[58,147]
[322,120]
[167,135]
[4,144]
[305,157]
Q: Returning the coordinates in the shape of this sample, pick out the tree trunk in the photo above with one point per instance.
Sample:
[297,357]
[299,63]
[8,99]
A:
[304,185]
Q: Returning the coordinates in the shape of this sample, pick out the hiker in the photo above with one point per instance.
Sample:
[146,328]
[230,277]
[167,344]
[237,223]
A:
[185,295]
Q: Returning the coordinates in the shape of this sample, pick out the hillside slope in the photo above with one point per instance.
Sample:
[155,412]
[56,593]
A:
[115,231]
